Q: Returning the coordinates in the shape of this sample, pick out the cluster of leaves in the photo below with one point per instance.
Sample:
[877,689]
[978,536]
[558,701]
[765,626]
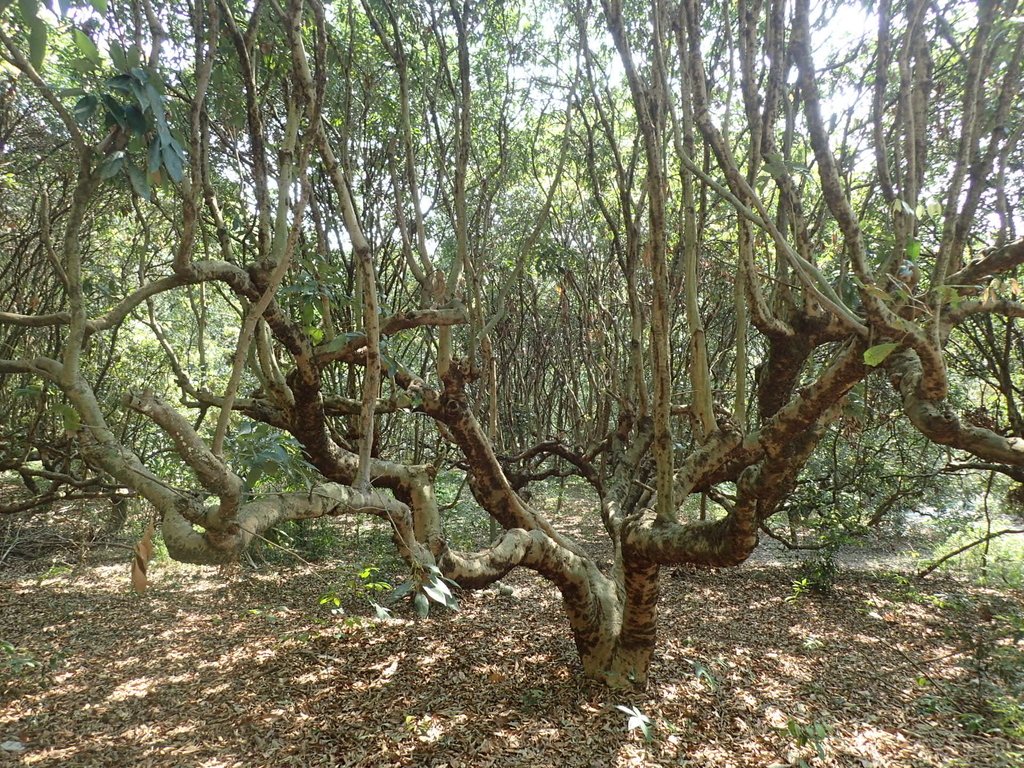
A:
[269,457]
[16,662]
[39,30]
[366,585]
[807,734]
[637,720]
[426,586]
[816,575]
[130,105]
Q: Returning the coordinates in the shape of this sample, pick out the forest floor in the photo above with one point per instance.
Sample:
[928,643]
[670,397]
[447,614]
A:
[249,667]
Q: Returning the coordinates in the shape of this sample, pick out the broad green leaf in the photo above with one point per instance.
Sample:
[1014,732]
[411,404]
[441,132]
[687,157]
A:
[775,164]
[422,605]
[72,421]
[339,342]
[435,594]
[111,165]
[172,163]
[117,55]
[37,43]
[85,108]
[902,206]
[153,160]
[402,590]
[138,180]
[176,146]
[876,355]
[114,111]
[83,65]
[914,250]
[86,46]
[121,83]
[156,104]
[135,119]
[29,9]
[66,92]
[100,6]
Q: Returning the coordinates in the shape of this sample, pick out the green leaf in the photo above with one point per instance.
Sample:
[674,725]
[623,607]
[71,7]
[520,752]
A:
[66,92]
[138,180]
[156,103]
[117,55]
[83,65]
[914,250]
[775,164]
[29,9]
[86,46]
[100,6]
[153,161]
[339,342]
[436,594]
[422,605]
[114,111]
[112,165]
[72,421]
[402,590]
[135,119]
[85,108]
[121,83]
[37,43]
[172,162]
[902,206]
[876,355]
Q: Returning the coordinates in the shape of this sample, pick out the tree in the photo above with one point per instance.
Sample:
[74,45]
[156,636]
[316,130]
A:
[658,246]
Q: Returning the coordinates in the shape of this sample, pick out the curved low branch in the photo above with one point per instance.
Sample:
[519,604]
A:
[718,543]
[213,473]
[516,547]
[936,421]
[188,545]
[346,348]
[960,550]
[992,263]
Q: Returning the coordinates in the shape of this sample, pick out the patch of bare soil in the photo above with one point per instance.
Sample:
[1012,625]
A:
[249,669]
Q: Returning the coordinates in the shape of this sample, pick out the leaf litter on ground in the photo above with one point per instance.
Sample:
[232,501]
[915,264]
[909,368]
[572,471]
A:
[250,669]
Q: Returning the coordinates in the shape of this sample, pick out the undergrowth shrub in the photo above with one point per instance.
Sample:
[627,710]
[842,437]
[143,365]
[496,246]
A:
[1002,562]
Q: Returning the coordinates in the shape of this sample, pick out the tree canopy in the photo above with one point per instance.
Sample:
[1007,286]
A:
[279,260]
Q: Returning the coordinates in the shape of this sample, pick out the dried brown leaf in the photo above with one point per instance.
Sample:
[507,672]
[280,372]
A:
[140,562]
